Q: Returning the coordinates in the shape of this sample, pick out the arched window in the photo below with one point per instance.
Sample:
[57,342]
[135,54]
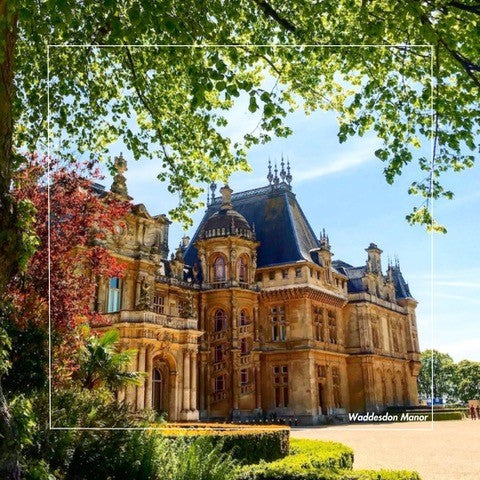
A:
[220,321]
[219,269]
[157,389]
[243,317]
[242,269]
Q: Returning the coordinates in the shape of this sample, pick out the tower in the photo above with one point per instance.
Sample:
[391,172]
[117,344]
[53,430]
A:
[229,364]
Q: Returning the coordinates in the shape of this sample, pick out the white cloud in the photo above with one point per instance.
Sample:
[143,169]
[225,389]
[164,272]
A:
[466,348]
[345,161]
[458,284]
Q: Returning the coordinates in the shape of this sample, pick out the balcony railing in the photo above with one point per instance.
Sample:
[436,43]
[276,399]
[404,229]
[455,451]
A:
[244,359]
[230,284]
[245,329]
[146,316]
[215,336]
[244,389]
[217,396]
[217,366]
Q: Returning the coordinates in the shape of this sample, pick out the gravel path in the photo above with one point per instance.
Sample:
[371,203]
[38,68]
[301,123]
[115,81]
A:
[451,451]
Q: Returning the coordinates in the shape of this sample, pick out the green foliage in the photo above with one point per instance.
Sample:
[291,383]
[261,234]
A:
[168,102]
[317,460]
[100,363]
[307,457]
[457,381]
[443,379]
[468,380]
[28,373]
[379,475]
[246,447]
[203,459]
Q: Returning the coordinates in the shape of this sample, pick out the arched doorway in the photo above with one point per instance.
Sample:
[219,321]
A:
[163,385]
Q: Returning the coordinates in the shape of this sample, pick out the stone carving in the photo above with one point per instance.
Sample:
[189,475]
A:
[145,298]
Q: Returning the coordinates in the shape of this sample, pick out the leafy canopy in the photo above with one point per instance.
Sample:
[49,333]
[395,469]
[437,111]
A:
[167,103]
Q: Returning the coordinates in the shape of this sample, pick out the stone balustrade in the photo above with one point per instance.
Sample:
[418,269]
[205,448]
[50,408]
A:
[146,316]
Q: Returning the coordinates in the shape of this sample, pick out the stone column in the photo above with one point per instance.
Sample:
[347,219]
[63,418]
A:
[258,389]
[131,393]
[202,384]
[235,378]
[148,378]
[193,380]
[141,388]
[186,380]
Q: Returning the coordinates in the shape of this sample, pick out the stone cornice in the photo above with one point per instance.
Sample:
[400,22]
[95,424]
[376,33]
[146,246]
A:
[304,290]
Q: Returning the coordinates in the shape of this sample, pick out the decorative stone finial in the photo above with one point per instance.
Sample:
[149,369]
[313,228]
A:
[270,175]
[213,187]
[119,185]
[289,175]
[283,173]
[276,180]
[226,192]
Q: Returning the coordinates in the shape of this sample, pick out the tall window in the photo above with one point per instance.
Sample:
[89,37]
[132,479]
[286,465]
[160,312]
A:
[157,389]
[244,346]
[219,384]
[243,317]
[158,303]
[280,382]
[219,270]
[114,295]
[220,321]
[218,353]
[244,376]
[277,320]
[242,269]
[318,325]
[336,387]
[332,327]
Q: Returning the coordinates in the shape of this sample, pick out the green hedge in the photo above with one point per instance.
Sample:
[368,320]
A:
[308,458]
[437,416]
[317,460]
[247,445]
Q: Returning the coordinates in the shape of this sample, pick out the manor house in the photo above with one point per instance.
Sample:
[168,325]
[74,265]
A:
[252,317]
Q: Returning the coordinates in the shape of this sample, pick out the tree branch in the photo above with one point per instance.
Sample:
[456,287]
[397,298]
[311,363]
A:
[144,100]
[272,13]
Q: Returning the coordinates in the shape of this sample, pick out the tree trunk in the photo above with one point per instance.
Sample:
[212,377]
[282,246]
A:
[10,236]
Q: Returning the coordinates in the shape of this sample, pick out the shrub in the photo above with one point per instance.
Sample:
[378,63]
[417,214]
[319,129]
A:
[308,459]
[378,475]
[200,459]
[317,460]
[248,445]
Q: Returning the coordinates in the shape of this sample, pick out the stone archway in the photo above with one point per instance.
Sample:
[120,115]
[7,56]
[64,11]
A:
[163,394]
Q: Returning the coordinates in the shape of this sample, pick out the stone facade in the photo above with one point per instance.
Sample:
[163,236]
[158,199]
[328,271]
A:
[252,318]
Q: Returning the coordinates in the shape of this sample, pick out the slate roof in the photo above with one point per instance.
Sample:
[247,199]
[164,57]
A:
[355,275]
[401,286]
[280,226]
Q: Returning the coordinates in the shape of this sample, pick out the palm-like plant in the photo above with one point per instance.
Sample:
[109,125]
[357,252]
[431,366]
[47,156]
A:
[101,364]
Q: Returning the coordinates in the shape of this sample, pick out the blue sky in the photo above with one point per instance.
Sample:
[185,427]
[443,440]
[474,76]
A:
[341,188]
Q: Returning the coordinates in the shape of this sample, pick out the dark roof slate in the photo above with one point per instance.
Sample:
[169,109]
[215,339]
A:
[401,286]
[280,225]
